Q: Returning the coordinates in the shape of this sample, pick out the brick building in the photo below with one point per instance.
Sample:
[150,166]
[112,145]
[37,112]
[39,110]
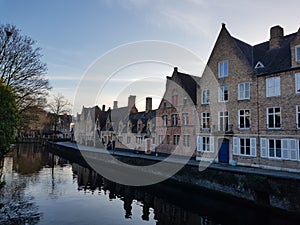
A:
[248,102]
[177,115]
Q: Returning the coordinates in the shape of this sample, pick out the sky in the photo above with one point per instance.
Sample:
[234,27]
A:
[98,51]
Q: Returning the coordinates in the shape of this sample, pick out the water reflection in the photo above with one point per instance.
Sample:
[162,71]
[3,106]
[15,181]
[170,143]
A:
[43,188]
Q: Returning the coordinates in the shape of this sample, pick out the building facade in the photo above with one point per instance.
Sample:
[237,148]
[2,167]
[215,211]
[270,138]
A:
[248,102]
[177,115]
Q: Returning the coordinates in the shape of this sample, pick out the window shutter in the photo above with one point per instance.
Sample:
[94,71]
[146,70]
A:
[199,143]
[263,148]
[293,147]
[285,148]
[212,144]
[253,146]
[235,146]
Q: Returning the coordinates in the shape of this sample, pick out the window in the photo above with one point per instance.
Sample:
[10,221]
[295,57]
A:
[205,97]
[223,69]
[274,148]
[205,120]
[160,139]
[186,140]
[297,53]
[298,116]
[185,119]
[244,146]
[244,118]
[279,148]
[223,94]
[205,144]
[175,100]
[244,91]
[165,120]
[168,139]
[128,140]
[273,87]
[176,139]
[139,140]
[297,82]
[223,121]
[174,119]
[153,140]
[274,118]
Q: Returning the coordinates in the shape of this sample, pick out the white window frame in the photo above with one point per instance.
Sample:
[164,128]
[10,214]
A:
[205,118]
[160,139]
[275,148]
[298,116]
[274,118]
[273,87]
[205,97]
[223,118]
[243,92]
[223,68]
[297,82]
[165,120]
[222,94]
[244,118]
[237,146]
[186,140]
[185,119]
[205,147]
[139,140]
[297,48]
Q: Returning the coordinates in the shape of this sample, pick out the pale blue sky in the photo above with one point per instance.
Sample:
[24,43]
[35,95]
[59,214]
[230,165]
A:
[75,33]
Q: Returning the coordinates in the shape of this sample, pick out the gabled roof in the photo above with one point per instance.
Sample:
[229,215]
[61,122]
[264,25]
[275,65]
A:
[187,82]
[273,59]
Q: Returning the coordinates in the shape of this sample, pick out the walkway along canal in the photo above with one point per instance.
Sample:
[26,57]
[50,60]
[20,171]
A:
[268,188]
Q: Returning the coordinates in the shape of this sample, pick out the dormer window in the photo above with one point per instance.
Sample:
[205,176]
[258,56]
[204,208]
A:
[259,65]
[223,69]
[297,53]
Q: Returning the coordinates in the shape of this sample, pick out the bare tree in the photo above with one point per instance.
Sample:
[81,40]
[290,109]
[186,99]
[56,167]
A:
[21,68]
[58,107]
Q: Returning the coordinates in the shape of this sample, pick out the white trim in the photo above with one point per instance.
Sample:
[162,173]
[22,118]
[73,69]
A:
[219,70]
[244,98]
[207,97]
[296,84]
[259,65]
[200,143]
[297,120]
[277,91]
[297,47]
[268,124]
[239,115]
[222,94]
[236,146]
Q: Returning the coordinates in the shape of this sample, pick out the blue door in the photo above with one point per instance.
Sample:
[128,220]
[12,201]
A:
[223,154]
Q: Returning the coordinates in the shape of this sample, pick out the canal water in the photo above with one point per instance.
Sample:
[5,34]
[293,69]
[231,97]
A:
[42,188]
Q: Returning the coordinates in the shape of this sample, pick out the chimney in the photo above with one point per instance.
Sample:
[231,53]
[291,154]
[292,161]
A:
[176,69]
[115,105]
[276,36]
[103,108]
[131,101]
[148,104]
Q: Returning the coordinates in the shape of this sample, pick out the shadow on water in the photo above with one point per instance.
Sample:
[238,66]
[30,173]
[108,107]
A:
[162,204]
